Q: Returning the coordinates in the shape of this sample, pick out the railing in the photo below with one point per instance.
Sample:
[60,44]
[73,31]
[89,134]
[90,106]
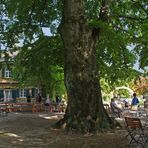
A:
[32,107]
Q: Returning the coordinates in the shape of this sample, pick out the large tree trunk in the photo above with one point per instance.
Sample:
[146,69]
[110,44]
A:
[85,111]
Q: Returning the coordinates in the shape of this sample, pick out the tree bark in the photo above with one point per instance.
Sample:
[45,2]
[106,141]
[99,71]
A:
[85,111]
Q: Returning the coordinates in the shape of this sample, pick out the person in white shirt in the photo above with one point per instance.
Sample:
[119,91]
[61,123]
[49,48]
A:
[47,104]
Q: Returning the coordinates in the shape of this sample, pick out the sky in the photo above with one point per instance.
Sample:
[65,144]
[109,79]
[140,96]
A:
[46,31]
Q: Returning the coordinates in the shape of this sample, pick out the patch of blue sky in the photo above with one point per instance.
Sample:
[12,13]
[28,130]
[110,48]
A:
[46,31]
[137,64]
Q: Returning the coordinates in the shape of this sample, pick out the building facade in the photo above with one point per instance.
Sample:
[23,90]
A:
[10,90]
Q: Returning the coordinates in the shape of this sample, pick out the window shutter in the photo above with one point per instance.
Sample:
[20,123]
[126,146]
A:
[1,94]
[14,93]
[27,92]
[17,93]
[33,92]
[3,72]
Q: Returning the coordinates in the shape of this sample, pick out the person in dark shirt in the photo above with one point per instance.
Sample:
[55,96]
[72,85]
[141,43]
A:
[28,98]
[39,98]
[135,102]
[57,99]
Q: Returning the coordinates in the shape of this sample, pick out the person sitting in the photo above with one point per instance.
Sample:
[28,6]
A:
[114,108]
[126,104]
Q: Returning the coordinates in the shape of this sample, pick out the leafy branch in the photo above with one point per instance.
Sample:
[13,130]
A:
[132,18]
[141,6]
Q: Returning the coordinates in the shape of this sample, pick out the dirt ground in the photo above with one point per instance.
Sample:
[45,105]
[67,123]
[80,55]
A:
[27,130]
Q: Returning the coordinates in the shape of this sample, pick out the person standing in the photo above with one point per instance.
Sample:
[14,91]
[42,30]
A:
[135,102]
[47,100]
[39,98]
[47,104]
[28,99]
[57,99]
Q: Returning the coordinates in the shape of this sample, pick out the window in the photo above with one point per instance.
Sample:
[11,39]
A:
[7,73]
[22,93]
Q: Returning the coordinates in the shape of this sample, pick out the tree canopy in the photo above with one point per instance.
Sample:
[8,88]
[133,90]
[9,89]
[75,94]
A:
[123,34]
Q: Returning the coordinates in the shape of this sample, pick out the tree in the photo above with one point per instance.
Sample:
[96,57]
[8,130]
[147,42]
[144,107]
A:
[39,65]
[90,30]
[80,42]
[141,85]
[85,111]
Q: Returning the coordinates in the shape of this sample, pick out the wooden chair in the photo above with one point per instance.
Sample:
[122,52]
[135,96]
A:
[136,132]
[146,122]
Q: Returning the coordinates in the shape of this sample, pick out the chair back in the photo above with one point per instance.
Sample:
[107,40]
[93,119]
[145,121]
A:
[133,123]
[146,111]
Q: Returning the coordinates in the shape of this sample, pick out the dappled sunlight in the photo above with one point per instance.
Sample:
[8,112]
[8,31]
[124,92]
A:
[17,113]
[17,141]
[37,130]
[45,116]
[11,135]
[3,133]
[21,140]
[18,138]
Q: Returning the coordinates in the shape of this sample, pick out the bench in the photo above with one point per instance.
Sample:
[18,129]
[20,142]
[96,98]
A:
[16,107]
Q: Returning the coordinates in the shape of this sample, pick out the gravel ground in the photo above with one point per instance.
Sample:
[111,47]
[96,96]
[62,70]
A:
[27,130]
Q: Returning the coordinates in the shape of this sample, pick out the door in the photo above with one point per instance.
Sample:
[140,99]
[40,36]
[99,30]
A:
[7,95]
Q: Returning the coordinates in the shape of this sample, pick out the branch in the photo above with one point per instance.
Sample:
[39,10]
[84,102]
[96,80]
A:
[123,30]
[128,17]
[142,7]
[119,28]
[102,16]
[30,15]
[43,9]
[104,10]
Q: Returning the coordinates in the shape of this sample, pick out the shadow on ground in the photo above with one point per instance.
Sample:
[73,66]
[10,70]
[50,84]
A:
[27,130]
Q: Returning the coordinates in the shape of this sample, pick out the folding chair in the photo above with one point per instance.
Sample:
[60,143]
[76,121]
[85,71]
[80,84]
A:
[146,122]
[136,132]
